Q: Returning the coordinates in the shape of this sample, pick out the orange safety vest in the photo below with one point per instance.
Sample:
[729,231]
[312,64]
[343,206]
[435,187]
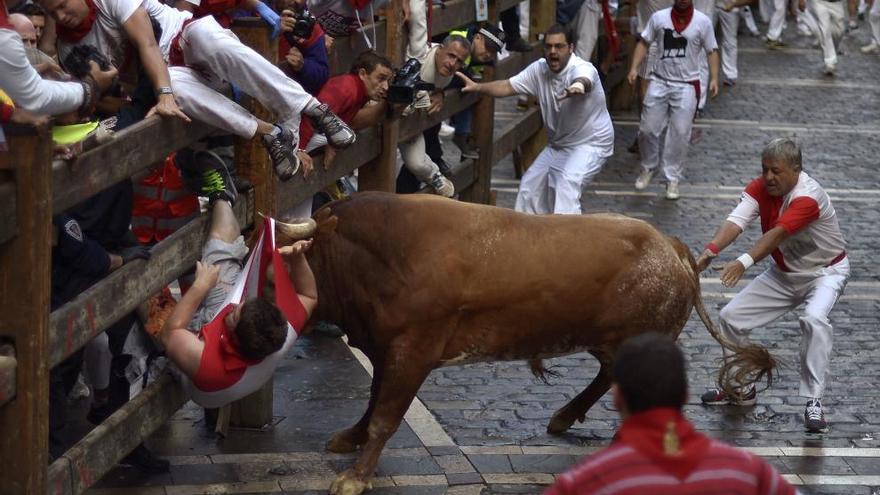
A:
[162,204]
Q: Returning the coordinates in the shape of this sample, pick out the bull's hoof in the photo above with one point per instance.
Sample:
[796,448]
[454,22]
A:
[345,441]
[559,424]
[347,483]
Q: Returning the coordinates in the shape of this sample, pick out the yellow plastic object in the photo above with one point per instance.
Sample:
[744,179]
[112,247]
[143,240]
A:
[69,134]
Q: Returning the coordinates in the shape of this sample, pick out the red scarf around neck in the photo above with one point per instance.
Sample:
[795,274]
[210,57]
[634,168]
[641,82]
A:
[4,16]
[666,438]
[75,34]
[680,20]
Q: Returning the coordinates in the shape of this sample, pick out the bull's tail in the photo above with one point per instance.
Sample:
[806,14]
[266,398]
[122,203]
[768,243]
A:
[745,365]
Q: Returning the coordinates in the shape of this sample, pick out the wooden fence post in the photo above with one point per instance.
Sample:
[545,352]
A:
[378,175]
[25,264]
[251,161]
[483,129]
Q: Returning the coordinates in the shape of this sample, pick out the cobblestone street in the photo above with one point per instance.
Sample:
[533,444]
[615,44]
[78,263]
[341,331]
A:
[483,430]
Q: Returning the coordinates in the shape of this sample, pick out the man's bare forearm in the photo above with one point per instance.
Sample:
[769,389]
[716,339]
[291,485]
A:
[302,277]
[496,89]
[725,235]
[184,310]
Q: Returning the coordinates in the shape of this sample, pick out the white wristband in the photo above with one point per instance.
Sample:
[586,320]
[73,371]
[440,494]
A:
[578,84]
[746,260]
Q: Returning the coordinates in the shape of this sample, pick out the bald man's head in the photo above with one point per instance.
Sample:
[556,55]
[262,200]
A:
[24,27]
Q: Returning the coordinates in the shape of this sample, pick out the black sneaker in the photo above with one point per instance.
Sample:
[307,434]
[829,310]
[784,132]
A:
[717,397]
[337,132]
[814,417]
[217,182]
[144,460]
[281,147]
[518,45]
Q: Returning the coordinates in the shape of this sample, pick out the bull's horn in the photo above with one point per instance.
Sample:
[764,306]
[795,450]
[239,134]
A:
[300,228]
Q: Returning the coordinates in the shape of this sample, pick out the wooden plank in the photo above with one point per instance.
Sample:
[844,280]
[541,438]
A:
[7,374]
[542,15]
[455,101]
[252,161]
[8,227]
[25,264]
[90,313]
[132,150]
[87,461]
[515,132]
[295,191]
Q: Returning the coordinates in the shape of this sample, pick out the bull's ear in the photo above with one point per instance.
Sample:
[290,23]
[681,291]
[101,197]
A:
[326,220]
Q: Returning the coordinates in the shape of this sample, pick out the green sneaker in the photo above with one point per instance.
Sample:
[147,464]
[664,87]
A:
[217,182]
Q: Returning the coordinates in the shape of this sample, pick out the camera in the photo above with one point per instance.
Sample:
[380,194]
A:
[302,27]
[407,82]
[77,64]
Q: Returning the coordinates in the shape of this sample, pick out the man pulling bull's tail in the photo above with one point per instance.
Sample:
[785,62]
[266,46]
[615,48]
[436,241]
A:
[801,233]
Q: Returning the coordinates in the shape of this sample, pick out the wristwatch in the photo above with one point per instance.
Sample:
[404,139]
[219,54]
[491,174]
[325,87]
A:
[164,90]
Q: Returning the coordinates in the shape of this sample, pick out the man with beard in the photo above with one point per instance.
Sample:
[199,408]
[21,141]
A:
[579,129]
[681,34]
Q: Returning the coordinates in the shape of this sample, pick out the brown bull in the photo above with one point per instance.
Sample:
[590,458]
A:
[418,282]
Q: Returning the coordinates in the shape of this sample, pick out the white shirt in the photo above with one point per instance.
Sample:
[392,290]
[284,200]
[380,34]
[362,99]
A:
[108,35]
[576,120]
[806,213]
[26,88]
[678,54]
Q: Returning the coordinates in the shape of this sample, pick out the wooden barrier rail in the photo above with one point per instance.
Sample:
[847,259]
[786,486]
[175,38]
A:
[42,340]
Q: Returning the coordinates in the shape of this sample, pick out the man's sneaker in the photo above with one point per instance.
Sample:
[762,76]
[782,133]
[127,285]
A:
[696,135]
[871,48]
[774,44]
[446,130]
[518,45]
[467,151]
[828,70]
[672,190]
[338,133]
[282,150]
[729,82]
[217,182]
[717,397]
[814,418]
[442,185]
[644,179]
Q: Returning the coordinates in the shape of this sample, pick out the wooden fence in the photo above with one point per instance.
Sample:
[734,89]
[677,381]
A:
[33,188]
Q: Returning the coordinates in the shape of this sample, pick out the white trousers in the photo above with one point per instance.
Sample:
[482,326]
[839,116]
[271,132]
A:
[416,160]
[831,18]
[806,22]
[729,22]
[777,19]
[874,20]
[765,10]
[669,106]
[586,28]
[775,293]
[215,56]
[554,182]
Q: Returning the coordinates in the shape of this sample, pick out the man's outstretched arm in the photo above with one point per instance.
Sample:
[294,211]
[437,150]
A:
[301,274]
[182,346]
[496,89]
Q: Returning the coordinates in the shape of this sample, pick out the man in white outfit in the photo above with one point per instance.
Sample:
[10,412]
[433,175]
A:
[874,21]
[681,33]
[802,235]
[585,27]
[203,57]
[579,131]
[831,20]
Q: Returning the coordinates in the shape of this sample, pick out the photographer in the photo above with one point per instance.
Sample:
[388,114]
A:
[302,51]
[438,65]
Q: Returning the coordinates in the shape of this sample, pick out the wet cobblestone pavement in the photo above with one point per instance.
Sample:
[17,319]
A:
[495,414]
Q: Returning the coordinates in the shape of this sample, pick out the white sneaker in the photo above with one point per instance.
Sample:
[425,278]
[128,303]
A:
[872,48]
[442,185]
[829,69]
[446,130]
[644,179]
[672,190]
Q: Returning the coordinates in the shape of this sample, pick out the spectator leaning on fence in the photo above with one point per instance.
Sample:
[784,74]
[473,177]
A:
[579,130]
[439,64]
[657,451]
[203,57]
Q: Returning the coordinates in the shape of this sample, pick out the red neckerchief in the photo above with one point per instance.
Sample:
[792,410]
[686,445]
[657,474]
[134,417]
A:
[680,20]
[610,29]
[666,438]
[74,35]
[4,16]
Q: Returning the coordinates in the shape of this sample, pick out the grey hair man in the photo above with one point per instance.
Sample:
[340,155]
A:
[439,64]
[802,235]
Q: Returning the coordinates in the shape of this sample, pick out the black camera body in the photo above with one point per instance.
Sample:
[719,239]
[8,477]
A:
[76,63]
[302,27]
[407,82]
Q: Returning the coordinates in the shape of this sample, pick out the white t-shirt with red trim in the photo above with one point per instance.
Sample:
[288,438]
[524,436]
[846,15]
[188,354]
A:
[108,35]
[806,213]
[678,54]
